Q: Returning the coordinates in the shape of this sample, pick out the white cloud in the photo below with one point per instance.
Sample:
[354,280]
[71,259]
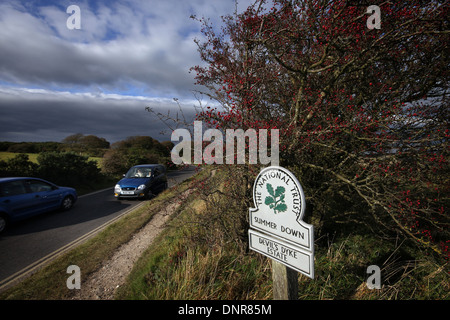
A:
[97,79]
[117,44]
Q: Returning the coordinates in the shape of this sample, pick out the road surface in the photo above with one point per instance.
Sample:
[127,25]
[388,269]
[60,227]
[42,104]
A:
[28,244]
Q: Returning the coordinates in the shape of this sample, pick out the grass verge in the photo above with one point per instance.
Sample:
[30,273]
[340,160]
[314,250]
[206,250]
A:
[173,269]
[182,265]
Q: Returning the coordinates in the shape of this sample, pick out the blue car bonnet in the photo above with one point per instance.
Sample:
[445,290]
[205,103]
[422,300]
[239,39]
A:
[133,182]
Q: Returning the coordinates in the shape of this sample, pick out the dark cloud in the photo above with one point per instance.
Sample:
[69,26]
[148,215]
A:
[51,116]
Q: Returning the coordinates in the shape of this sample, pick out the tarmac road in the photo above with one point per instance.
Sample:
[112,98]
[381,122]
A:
[28,244]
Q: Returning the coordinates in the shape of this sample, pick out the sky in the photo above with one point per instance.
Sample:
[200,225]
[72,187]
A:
[127,55]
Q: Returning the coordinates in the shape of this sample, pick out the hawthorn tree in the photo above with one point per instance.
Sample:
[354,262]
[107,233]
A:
[363,113]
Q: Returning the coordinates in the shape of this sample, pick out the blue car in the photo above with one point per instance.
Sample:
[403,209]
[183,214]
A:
[141,182]
[21,198]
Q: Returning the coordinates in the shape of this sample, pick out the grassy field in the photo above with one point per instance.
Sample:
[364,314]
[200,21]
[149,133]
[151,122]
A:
[33,157]
[9,155]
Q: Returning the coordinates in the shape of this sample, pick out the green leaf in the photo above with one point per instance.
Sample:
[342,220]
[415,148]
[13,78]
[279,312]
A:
[282,207]
[269,200]
[279,191]
[270,189]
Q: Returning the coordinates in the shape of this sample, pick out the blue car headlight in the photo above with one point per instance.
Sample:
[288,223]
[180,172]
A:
[117,188]
[142,187]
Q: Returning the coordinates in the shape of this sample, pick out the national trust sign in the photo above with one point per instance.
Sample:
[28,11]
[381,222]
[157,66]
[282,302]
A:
[278,229]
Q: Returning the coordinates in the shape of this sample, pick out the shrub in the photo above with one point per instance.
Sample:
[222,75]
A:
[67,169]
[19,166]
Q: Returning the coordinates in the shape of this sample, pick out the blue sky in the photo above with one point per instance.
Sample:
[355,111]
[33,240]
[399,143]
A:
[128,55]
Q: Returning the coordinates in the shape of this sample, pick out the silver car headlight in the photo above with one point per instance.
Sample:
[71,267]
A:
[142,187]
[117,188]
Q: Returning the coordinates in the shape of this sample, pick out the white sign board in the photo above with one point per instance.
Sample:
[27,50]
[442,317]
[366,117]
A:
[291,256]
[279,208]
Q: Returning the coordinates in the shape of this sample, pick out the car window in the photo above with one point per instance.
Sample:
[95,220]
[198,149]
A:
[139,172]
[38,186]
[12,188]
[148,172]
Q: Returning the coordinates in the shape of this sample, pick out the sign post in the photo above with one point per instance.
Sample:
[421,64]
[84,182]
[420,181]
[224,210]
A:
[285,282]
[278,231]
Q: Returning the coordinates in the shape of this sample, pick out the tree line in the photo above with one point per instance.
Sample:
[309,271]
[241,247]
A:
[90,145]
[68,162]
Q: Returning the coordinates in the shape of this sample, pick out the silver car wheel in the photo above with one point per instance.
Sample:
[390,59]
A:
[2,223]
[67,203]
